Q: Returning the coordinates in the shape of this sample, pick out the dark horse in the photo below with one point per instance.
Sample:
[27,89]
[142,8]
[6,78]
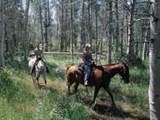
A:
[100,77]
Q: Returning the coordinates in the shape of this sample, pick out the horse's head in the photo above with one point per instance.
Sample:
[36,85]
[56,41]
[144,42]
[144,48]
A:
[124,73]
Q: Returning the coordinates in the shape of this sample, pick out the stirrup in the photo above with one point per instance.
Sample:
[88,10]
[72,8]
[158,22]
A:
[86,83]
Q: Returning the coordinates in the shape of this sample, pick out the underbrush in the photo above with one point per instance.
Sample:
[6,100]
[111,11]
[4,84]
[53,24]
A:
[20,99]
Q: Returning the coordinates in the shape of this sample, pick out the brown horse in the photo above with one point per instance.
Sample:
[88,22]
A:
[100,77]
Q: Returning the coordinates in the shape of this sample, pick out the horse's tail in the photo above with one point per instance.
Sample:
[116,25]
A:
[67,68]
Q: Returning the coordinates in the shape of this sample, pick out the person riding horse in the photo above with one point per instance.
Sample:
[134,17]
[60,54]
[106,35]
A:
[38,53]
[87,59]
[101,78]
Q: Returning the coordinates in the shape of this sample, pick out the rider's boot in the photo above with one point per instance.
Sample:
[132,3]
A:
[47,70]
[85,80]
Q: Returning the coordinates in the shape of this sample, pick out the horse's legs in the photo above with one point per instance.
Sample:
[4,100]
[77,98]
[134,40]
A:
[37,77]
[44,77]
[110,94]
[69,83]
[76,87]
[33,77]
[45,81]
[97,88]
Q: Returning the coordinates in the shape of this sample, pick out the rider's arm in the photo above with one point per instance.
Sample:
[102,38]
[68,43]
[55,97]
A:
[84,56]
[42,55]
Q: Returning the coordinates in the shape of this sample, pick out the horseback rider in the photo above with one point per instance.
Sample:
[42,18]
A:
[87,59]
[38,53]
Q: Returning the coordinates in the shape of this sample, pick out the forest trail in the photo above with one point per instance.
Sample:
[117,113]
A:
[101,111]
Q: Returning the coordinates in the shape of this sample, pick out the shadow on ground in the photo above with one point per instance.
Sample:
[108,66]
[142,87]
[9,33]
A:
[103,111]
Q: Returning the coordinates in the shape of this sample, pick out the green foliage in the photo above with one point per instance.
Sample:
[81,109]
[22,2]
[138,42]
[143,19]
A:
[55,107]
[137,95]
[139,75]
[22,100]
[12,89]
[132,60]
[31,103]
[7,112]
[133,94]
[58,64]
[14,94]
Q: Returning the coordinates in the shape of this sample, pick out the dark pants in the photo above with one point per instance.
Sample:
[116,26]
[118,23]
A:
[87,71]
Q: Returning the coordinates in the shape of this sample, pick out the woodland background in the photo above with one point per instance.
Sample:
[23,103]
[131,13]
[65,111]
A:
[118,30]
[114,28]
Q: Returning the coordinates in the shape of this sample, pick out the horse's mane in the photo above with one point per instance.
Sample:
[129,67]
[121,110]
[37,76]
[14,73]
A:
[125,64]
[110,64]
[100,67]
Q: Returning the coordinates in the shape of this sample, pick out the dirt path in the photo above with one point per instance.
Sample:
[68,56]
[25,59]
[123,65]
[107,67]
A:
[102,110]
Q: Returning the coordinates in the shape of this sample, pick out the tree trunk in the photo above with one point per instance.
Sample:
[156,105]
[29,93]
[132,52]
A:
[122,33]
[154,59]
[41,23]
[117,25]
[145,44]
[62,26]
[71,27]
[25,30]
[1,34]
[130,49]
[96,15]
[46,24]
[110,33]
[89,22]
[83,40]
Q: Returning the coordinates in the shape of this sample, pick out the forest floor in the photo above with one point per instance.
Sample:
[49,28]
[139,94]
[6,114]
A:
[102,109]
[21,99]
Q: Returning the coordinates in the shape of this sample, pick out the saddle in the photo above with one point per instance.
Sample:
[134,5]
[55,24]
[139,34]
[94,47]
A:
[81,68]
[92,67]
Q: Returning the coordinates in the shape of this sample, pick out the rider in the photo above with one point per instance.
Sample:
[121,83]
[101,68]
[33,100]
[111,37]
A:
[87,59]
[39,55]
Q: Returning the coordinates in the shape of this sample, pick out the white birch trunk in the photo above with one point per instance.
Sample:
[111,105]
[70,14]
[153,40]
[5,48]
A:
[154,57]
[144,50]
[130,46]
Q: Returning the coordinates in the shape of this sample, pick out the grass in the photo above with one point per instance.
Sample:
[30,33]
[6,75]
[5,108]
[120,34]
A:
[21,100]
